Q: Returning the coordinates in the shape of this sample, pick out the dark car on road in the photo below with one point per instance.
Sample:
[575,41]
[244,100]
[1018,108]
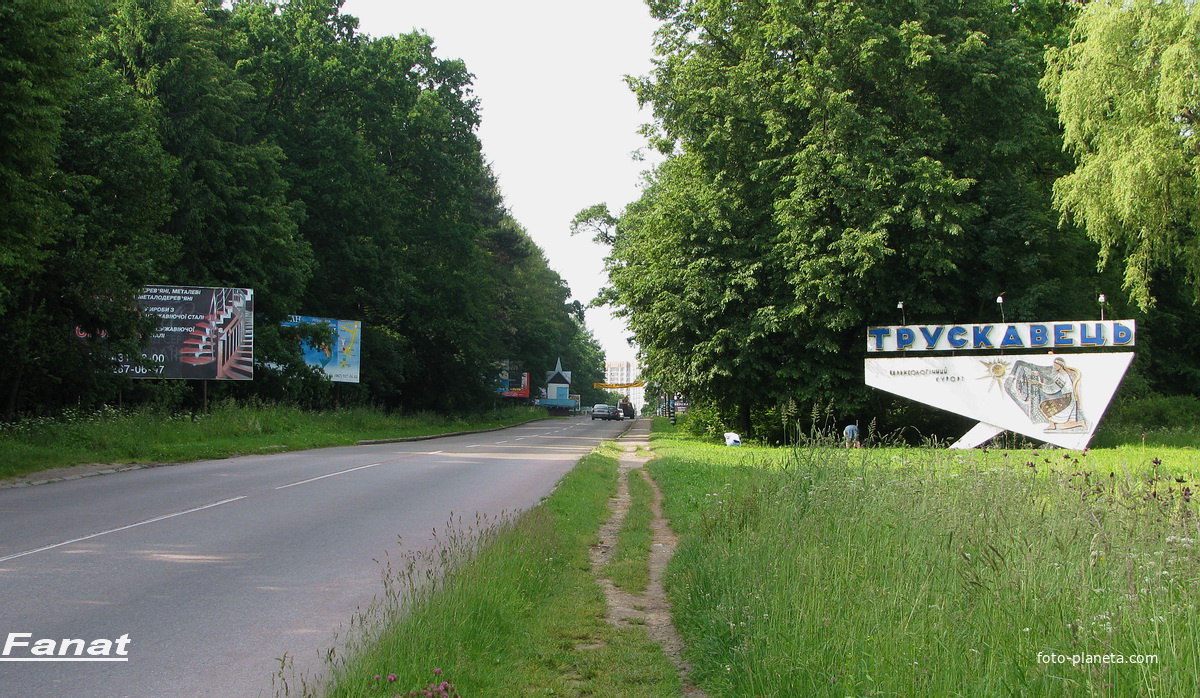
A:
[606,412]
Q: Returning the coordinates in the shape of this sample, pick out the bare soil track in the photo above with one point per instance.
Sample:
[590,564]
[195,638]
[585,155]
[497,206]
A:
[650,609]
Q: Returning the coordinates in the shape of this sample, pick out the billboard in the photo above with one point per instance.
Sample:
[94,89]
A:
[514,388]
[203,333]
[338,357]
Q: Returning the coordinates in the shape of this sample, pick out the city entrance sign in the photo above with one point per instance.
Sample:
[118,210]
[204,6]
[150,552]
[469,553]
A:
[1053,396]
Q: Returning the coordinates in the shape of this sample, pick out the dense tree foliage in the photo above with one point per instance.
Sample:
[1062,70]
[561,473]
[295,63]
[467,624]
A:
[824,160]
[267,145]
[828,159]
[1126,89]
[38,54]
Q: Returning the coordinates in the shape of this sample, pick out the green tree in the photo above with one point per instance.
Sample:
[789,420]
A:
[232,216]
[1126,93]
[111,186]
[584,357]
[264,144]
[39,47]
[533,315]
[402,213]
[827,159]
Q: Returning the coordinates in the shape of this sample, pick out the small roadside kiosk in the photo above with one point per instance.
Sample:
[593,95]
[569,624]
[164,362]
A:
[1054,387]
[558,401]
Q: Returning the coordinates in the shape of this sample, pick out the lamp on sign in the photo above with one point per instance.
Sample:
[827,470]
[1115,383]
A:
[900,307]
[1000,302]
[1101,300]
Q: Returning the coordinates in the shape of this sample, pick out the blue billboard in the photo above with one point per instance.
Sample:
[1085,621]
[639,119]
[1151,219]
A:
[337,356]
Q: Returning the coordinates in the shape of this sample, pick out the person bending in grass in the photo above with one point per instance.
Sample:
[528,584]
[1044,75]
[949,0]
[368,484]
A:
[850,435]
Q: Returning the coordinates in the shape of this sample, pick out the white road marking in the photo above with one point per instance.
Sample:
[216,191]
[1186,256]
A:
[122,528]
[64,659]
[322,477]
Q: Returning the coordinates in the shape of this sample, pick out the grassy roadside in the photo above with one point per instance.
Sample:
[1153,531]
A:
[149,436]
[508,608]
[834,572]
[629,568]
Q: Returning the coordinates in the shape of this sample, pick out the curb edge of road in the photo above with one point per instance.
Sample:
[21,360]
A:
[427,437]
[109,469]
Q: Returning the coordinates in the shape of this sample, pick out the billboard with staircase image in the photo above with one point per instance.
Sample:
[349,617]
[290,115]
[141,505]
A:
[204,333]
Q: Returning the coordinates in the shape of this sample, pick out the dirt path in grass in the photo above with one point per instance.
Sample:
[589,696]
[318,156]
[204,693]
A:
[650,609]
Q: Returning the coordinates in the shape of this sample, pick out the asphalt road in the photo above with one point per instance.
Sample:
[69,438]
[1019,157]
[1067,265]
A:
[215,569]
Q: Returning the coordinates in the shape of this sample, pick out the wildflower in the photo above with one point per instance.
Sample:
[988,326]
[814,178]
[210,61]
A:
[437,672]
[392,678]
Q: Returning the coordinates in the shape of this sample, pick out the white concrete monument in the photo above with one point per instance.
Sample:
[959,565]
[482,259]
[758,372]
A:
[1056,396]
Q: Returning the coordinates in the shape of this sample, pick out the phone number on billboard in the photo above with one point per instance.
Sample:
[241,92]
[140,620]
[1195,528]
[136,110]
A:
[127,367]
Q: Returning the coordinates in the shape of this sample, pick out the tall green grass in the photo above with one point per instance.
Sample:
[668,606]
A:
[507,608]
[115,436]
[828,571]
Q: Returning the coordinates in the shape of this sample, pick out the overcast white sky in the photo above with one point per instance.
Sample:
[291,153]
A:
[559,125]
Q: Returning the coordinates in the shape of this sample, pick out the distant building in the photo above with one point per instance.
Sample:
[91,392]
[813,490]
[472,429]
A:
[559,401]
[626,372]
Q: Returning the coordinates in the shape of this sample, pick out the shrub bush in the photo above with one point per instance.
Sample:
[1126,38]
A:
[702,420]
[1157,412]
